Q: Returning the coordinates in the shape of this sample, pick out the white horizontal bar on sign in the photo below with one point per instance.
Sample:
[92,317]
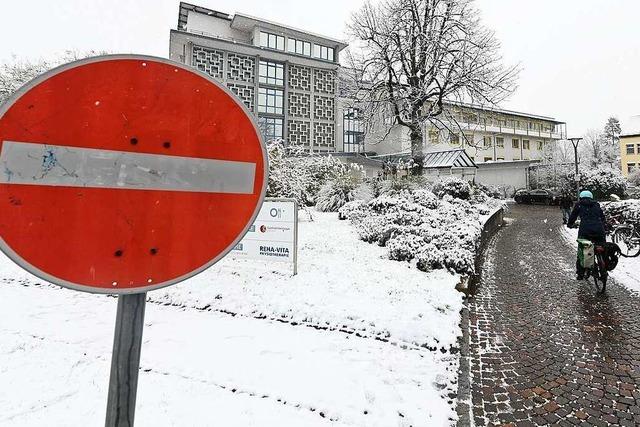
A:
[56,165]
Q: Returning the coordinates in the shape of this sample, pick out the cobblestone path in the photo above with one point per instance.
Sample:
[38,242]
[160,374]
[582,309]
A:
[545,349]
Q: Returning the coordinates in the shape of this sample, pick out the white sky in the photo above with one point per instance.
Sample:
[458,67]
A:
[580,58]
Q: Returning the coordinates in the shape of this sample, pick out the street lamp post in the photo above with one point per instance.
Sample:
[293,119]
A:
[575,142]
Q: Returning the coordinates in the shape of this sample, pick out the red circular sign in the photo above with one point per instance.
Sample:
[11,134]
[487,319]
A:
[123,174]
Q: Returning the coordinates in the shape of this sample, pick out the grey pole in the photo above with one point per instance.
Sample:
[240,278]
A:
[125,361]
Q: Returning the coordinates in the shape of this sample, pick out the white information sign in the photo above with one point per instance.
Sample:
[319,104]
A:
[274,234]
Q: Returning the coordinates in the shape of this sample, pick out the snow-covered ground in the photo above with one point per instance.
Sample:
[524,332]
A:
[354,339]
[626,273]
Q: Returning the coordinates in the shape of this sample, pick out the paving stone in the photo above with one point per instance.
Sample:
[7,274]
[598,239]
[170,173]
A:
[545,349]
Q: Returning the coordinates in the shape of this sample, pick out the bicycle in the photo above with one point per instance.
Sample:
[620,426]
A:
[627,237]
[596,267]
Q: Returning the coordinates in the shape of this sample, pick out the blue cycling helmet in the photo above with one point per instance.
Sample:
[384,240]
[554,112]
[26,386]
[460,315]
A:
[586,194]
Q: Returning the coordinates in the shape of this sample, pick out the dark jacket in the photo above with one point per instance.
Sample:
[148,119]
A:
[592,221]
[566,202]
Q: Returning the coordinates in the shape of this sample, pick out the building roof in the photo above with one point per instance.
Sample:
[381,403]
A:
[245,22]
[456,158]
[184,9]
[631,126]
[504,111]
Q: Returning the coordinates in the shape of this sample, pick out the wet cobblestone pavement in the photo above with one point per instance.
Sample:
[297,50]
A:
[545,349]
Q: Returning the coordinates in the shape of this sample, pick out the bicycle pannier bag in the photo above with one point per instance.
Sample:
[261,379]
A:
[586,253]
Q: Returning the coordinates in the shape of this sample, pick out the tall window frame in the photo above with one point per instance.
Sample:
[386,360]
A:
[271,73]
[353,131]
[271,127]
[270,100]
[271,40]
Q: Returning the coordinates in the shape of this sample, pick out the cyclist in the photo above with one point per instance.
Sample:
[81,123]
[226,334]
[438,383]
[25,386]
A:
[592,223]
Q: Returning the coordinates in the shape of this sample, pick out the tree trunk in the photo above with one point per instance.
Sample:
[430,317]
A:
[417,150]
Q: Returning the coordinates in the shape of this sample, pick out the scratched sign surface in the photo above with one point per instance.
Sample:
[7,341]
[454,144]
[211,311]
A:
[123,174]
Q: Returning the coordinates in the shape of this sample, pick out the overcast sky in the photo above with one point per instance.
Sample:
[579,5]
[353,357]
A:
[580,58]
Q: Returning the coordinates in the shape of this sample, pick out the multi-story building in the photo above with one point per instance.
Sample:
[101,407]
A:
[630,146]
[487,134]
[285,76]
[290,79]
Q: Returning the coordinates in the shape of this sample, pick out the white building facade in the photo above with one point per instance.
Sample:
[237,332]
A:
[487,134]
[285,76]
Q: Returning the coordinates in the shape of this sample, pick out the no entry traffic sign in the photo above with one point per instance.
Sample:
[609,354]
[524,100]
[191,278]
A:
[125,173]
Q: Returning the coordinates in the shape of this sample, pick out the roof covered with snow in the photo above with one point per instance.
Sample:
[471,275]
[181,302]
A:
[457,158]
[631,126]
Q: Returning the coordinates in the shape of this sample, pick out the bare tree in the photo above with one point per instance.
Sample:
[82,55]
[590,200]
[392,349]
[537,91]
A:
[596,149]
[413,56]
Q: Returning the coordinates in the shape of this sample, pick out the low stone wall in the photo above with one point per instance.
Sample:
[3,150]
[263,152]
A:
[463,402]
[493,224]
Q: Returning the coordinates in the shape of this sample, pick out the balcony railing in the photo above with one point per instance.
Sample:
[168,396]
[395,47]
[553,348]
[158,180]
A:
[512,130]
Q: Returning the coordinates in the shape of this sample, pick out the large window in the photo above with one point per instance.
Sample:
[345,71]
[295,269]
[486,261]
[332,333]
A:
[499,142]
[631,167]
[630,149]
[515,143]
[298,46]
[454,139]
[272,41]
[486,141]
[270,101]
[525,144]
[271,73]
[323,52]
[271,127]
[540,145]
[353,139]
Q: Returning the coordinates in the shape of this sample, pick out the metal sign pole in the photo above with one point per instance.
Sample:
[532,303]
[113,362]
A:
[125,361]
[295,237]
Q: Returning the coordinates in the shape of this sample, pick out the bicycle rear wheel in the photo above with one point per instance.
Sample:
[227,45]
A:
[629,244]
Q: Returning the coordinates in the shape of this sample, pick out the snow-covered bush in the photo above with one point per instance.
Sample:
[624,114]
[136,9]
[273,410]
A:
[336,192]
[626,211]
[603,182]
[455,187]
[391,187]
[416,225]
[634,178]
[298,174]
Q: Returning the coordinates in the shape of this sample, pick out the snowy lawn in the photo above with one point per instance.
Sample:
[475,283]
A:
[348,341]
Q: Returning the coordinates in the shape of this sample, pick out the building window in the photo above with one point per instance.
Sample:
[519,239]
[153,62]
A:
[298,46]
[499,142]
[271,127]
[271,73]
[353,139]
[525,144]
[515,143]
[500,159]
[638,148]
[434,136]
[630,149]
[631,167]
[540,145]
[270,101]
[487,142]
[323,52]
[488,159]
[272,41]
[468,138]
[454,139]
